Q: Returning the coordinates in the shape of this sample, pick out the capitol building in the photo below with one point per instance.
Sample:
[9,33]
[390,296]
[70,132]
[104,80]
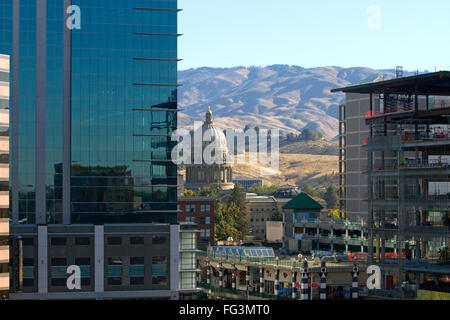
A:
[202,176]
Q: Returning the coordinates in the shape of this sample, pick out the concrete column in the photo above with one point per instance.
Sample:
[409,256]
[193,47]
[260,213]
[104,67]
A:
[346,240]
[221,285]
[174,260]
[294,287]
[233,281]
[208,272]
[42,260]
[261,280]
[99,252]
[332,236]
[323,281]
[362,240]
[247,282]
[355,273]
[277,285]
[305,281]
[417,251]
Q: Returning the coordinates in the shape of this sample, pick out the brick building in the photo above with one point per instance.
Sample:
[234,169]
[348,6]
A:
[199,210]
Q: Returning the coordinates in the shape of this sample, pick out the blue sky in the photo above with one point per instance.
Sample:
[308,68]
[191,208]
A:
[224,33]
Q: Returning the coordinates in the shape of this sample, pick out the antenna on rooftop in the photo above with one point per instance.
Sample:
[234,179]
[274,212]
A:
[399,72]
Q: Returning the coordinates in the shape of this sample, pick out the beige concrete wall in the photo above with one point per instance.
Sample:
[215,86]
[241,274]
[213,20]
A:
[274,230]
[4,199]
[4,116]
[4,144]
[4,254]
[4,62]
[4,226]
[4,90]
[4,281]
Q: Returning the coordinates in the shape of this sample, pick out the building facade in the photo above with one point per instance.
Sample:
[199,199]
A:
[352,156]
[4,176]
[255,273]
[261,209]
[408,178]
[94,104]
[199,210]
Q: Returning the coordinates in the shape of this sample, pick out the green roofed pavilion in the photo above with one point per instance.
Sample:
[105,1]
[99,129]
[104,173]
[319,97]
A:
[303,202]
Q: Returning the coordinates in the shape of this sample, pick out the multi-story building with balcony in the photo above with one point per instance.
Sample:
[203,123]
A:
[408,177]
[307,229]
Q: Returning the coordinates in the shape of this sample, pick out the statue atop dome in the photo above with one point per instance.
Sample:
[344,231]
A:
[208,116]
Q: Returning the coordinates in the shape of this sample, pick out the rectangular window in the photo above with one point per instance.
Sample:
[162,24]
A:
[114,271]
[159,270]
[115,281]
[137,269]
[59,241]
[190,208]
[136,281]
[115,261]
[205,220]
[136,240]
[159,240]
[136,260]
[59,282]
[83,261]
[85,281]
[28,282]
[82,241]
[59,262]
[28,262]
[190,219]
[28,241]
[114,240]
[205,233]
[205,208]
[188,241]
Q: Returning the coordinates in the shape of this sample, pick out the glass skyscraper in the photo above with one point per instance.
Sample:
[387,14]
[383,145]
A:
[96,107]
[93,107]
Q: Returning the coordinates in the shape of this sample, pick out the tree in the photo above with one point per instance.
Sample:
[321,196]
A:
[277,215]
[331,197]
[209,192]
[225,221]
[237,198]
[263,190]
[308,189]
[309,135]
[188,193]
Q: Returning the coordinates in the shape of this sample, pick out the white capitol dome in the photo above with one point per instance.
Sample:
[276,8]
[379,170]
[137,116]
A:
[206,175]
[214,136]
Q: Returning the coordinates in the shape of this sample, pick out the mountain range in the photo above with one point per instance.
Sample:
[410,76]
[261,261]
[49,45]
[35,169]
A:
[290,98]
